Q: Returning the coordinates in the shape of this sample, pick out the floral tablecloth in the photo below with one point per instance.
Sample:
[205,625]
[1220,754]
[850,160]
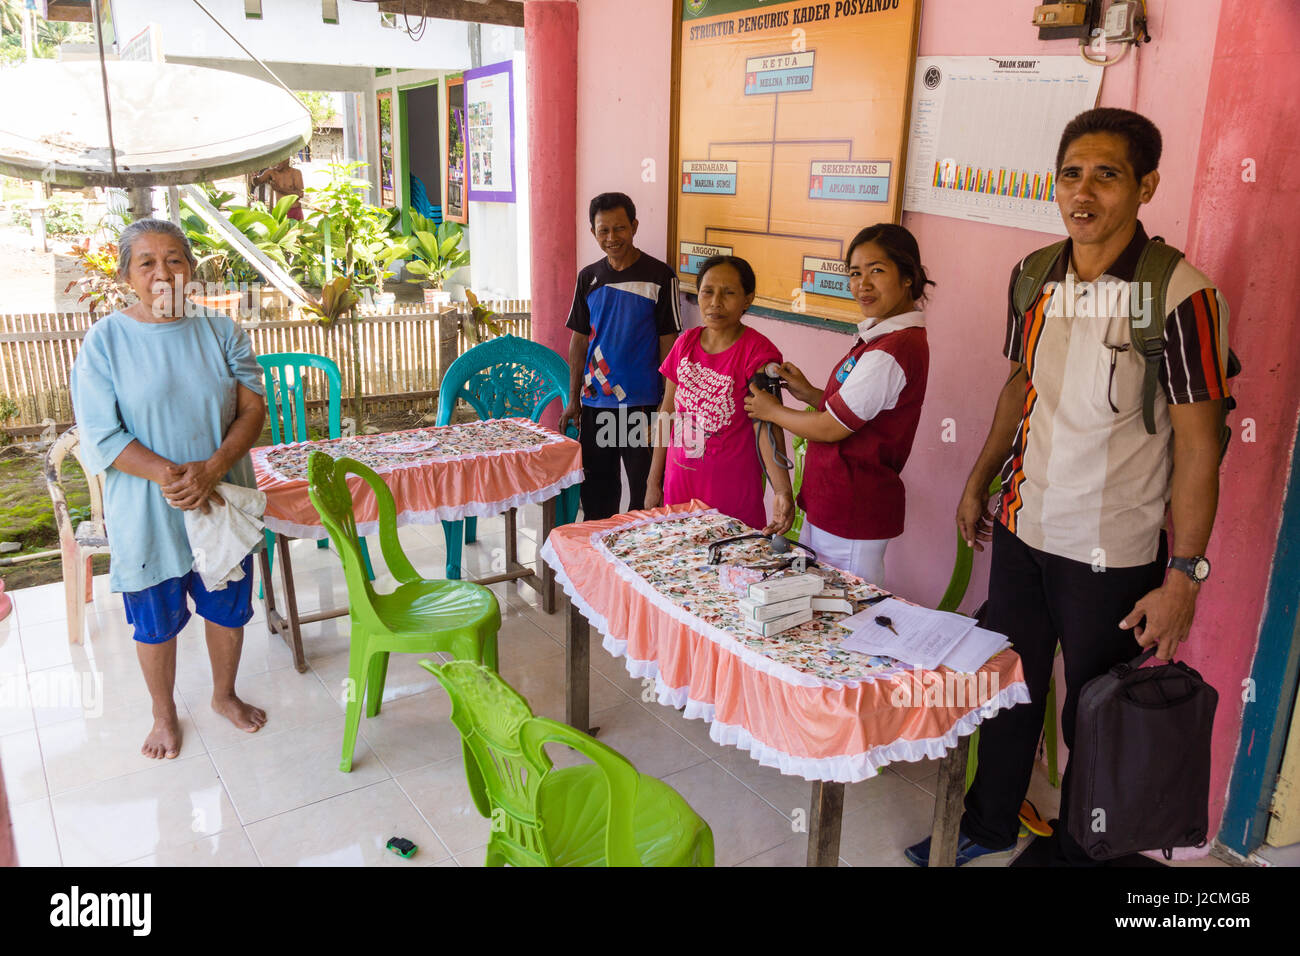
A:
[794,700]
[448,473]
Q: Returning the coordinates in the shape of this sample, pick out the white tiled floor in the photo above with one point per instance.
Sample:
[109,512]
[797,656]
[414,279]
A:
[81,793]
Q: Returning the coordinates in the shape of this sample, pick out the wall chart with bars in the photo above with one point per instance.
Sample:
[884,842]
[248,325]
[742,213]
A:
[984,132]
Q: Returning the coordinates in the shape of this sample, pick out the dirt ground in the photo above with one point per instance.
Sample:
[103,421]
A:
[34,282]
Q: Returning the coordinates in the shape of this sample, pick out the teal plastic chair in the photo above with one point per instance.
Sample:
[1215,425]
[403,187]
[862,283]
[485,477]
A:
[603,813]
[418,617]
[950,601]
[283,374]
[505,377]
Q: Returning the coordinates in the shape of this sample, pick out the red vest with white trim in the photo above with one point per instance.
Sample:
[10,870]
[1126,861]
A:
[852,488]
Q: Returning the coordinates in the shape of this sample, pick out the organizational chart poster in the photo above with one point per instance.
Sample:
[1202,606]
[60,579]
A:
[792,121]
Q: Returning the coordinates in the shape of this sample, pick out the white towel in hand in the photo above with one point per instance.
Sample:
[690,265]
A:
[222,538]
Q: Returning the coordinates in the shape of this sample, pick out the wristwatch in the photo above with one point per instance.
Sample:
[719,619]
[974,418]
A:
[1197,568]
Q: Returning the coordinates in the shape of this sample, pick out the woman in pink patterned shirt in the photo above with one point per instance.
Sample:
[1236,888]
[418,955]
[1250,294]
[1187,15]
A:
[713,454]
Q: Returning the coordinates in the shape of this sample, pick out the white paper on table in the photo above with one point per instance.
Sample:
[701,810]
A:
[924,637]
[974,650]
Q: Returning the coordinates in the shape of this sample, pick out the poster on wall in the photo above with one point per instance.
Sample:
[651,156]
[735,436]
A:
[454,208]
[791,125]
[387,196]
[490,132]
[984,134]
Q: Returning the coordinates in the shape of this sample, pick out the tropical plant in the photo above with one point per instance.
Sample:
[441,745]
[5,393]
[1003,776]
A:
[62,219]
[360,243]
[336,300]
[98,282]
[48,35]
[481,322]
[359,239]
[277,235]
[435,251]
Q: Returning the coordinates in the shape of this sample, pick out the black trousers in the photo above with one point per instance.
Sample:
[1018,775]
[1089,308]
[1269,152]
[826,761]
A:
[610,437]
[1037,600]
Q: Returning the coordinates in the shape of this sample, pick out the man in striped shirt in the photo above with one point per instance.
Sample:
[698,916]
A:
[1078,540]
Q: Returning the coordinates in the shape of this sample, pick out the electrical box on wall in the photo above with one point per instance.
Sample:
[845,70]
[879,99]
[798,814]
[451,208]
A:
[1066,19]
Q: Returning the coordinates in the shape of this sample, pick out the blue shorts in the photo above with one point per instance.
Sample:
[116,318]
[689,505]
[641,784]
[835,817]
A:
[158,613]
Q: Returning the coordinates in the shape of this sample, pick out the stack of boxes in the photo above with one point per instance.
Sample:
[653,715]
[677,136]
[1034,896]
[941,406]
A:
[771,607]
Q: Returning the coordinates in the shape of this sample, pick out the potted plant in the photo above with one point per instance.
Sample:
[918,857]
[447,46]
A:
[435,255]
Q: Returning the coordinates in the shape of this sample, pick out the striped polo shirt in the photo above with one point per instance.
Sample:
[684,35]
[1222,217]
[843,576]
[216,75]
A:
[1084,479]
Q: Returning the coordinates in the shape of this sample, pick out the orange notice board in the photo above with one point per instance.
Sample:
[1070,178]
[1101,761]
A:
[791,123]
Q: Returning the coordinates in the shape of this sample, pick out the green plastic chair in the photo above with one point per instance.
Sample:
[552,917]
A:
[951,599]
[283,374]
[600,814]
[418,617]
[800,446]
[505,377]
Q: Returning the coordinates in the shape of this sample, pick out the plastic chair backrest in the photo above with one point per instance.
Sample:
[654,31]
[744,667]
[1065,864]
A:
[962,567]
[286,401]
[327,486]
[505,377]
[506,765]
[70,441]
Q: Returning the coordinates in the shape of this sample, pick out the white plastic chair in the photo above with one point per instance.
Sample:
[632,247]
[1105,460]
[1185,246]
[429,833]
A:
[80,544]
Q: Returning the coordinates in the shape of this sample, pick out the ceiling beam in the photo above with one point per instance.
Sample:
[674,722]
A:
[506,13]
[69,11]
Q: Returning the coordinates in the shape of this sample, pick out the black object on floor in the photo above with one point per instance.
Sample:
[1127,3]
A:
[1046,851]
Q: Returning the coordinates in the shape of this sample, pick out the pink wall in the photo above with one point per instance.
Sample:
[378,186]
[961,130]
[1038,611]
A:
[1244,234]
[624,70]
[623,108]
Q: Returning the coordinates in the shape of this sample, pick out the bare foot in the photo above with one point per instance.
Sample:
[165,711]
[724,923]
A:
[244,716]
[165,738]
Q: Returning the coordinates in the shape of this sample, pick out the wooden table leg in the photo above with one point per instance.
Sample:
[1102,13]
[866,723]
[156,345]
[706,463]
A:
[544,569]
[577,673]
[512,540]
[824,824]
[294,637]
[948,800]
[268,587]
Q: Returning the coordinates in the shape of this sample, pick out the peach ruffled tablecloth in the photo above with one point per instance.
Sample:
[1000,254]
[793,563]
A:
[796,700]
[449,473]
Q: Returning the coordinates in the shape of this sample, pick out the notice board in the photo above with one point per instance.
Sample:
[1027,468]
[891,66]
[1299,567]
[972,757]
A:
[490,132]
[984,136]
[790,128]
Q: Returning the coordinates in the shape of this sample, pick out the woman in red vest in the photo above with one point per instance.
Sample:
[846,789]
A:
[861,433]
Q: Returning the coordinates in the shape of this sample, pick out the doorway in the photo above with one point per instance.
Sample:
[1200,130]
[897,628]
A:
[421,153]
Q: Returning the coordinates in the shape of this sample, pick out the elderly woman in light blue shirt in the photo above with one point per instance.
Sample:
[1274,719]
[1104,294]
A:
[168,401]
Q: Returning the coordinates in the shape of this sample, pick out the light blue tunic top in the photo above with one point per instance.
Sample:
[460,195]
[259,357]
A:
[172,386]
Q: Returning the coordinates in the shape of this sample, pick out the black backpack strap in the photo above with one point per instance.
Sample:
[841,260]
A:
[1155,266]
[1037,267]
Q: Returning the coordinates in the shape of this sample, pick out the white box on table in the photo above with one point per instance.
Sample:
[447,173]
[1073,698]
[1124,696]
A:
[752,610]
[786,589]
[779,624]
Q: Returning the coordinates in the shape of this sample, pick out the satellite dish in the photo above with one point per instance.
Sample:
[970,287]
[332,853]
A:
[172,124]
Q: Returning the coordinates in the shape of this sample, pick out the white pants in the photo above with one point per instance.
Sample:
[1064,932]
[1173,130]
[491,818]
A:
[865,558]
